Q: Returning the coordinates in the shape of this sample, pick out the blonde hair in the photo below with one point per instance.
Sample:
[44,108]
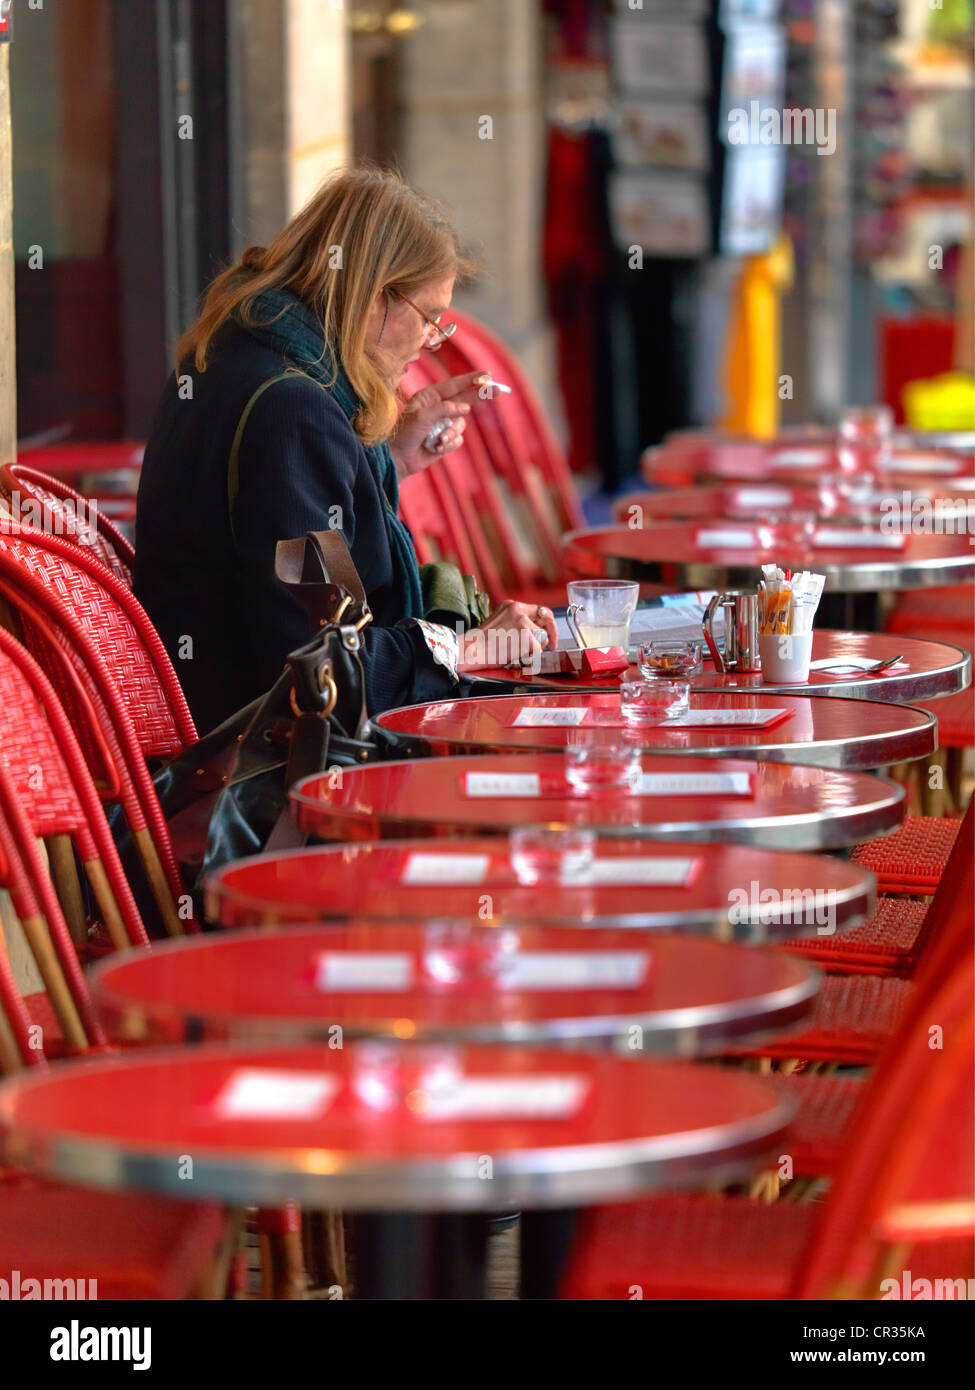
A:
[365,232]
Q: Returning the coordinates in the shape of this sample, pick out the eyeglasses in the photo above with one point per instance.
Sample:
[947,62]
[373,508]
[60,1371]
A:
[440,332]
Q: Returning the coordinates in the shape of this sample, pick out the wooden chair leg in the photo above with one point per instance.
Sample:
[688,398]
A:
[765,1187]
[107,904]
[282,1253]
[325,1250]
[954,776]
[10,1058]
[158,882]
[42,949]
[64,876]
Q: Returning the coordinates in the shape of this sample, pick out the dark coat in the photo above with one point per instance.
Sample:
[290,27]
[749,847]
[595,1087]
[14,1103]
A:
[210,589]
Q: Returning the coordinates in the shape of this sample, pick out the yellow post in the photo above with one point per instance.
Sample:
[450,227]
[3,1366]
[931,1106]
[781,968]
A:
[753,351]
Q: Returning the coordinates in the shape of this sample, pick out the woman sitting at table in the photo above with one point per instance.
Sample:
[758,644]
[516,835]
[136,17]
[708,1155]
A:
[294,368]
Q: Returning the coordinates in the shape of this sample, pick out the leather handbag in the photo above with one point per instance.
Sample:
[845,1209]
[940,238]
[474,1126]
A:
[227,795]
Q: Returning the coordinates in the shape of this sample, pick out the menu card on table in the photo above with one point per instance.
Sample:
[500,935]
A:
[725,538]
[921,463]
[364,970]
[576,969]
[695,784]
[273,1093]
[762,497]
[610,716]
[423,868]
[799,458]
[502,1098]
[549,716]
[517,785]
[650,873]
[501,784]
[728,719]
[848,538]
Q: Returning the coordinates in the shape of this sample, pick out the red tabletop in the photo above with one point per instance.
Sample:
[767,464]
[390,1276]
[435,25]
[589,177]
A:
[684,464]
[822,733]
[650,993]
[783,807]
[268,1125]
[926,671]
[729,891]
[669,554]
[757,501]
[73,461]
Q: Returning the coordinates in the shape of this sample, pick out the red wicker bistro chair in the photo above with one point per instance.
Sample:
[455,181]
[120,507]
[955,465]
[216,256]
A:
[99,710]
[902,1200]
[892,941]
[115,1245]
[533,498]
[117,623]
[504,553]
[65,1015]
[534,444]
[48,504]
[888,943]
[120,1246]
[855,1015]
[54,786]
[913,859]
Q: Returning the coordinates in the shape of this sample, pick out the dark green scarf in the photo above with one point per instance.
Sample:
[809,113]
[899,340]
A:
[284,323]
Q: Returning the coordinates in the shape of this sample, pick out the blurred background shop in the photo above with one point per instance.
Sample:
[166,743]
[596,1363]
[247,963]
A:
[658,251]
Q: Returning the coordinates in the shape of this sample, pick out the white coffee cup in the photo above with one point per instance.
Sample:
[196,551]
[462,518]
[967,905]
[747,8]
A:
[785,657]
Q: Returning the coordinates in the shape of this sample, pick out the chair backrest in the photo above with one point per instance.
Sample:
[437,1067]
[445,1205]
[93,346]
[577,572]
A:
[504,560]
[36,499]
[56,639]
[907,1174]
[536,439]
[53,782]
[528,496]
[946,929]
[110,615]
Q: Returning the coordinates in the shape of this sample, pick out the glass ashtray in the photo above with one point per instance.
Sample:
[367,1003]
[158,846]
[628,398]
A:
[651,702]
[602,767]
[669,659]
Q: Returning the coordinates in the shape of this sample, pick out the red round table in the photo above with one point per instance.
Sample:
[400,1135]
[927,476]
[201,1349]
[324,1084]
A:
[756,501]
[926,671]
[548,1129]
[851,734]
[689,463]
[647,993]
[776,806]
[669,554]
[688,887]
[68,460]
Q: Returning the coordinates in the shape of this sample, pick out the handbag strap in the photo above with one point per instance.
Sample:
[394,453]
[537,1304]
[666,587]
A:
[317,565]
[320,570]
[233,466]
[319,557]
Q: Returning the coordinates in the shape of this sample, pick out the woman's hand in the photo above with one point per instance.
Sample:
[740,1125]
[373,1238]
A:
[513,634]
[444,400]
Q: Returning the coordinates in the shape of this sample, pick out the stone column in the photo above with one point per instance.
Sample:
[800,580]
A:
[473,136]
[290,107]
